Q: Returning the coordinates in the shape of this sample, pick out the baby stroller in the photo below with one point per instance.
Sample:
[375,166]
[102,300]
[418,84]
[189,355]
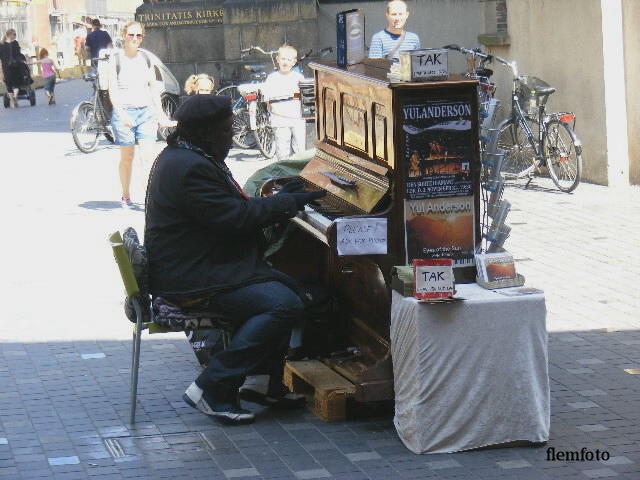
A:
[21,76]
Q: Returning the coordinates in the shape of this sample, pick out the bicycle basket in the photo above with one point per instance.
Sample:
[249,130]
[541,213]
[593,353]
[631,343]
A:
[527,97]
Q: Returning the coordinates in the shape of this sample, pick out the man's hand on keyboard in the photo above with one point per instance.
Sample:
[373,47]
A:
[302,198]
[292,186]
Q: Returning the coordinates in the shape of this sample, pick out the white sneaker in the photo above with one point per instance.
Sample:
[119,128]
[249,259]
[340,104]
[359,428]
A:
[227,413]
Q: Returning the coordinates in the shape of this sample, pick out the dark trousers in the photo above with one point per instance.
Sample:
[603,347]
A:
[265,313]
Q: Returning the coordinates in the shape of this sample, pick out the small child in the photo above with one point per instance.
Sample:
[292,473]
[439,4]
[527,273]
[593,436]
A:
[200,84]
[282,90]
[49,73]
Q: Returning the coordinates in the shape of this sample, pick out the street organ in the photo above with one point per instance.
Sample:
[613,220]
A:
[404,152]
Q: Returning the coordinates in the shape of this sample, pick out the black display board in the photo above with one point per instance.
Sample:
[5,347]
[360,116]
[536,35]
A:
[440,161]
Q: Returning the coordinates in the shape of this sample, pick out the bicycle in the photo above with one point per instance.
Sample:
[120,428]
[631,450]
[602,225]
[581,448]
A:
[533,138]
[251,123]
[90,119]
[478,70]
[250,113]
[243,136]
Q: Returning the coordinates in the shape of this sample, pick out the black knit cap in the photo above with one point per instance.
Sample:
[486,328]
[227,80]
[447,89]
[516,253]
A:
[203,108]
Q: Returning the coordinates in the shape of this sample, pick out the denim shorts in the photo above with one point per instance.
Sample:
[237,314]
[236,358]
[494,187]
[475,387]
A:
[145,126]
[50,83]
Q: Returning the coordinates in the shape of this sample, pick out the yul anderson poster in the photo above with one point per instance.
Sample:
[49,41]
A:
[439,205]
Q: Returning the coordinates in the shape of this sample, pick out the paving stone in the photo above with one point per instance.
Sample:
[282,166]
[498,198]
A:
[511,464]
[73,460]
[442,464]
[582,405]
[589,361]
[315,473]
[600,473]
[362,456]
[591,393]
[593,428]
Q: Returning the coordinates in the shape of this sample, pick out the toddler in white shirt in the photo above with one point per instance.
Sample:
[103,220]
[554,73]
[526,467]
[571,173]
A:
[282,90]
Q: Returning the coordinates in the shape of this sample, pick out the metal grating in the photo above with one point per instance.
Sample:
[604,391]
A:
[131,446]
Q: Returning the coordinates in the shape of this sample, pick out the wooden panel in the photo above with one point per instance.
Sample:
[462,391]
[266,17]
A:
[354,122]
[329,113]
[380,132]
[354,114]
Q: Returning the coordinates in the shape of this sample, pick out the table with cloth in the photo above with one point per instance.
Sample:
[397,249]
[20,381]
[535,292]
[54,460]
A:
[470,373]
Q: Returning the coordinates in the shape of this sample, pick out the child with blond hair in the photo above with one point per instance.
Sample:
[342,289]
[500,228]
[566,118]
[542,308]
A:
[199,84]
[282,91]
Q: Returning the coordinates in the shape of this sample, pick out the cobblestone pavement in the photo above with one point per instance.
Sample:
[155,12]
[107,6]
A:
[65,343]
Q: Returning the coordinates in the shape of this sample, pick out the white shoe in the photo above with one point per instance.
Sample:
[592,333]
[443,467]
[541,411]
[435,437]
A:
[227,413]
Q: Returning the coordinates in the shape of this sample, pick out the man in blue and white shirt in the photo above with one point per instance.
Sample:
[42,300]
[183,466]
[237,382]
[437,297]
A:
[388,43]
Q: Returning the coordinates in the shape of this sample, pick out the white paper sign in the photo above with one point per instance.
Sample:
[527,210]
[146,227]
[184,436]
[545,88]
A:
[429,62]
[434,280]
[362,236]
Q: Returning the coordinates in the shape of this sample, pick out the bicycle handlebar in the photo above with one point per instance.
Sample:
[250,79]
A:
[479,53]
[258,49]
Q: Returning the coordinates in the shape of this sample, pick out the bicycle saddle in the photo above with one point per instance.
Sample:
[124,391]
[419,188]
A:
[254,68]
[541,91]
[484,72]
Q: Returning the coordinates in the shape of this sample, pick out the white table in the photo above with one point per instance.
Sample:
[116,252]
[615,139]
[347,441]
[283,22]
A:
[470,373]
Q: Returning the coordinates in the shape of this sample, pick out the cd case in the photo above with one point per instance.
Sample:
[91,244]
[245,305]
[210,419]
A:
[350,41]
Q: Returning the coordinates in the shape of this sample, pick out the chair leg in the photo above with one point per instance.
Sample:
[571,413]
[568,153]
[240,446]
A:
[226,339]
[135,360]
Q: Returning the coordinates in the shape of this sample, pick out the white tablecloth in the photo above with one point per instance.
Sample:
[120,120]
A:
[471,373]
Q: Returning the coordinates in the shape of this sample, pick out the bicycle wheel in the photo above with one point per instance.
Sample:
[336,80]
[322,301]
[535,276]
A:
[242,135]
[230,91]
[264,134]
[562,156]
[83,127]
[520,156]
[169,105]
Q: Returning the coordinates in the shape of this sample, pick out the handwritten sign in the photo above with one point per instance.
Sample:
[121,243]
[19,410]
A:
[362,236]
[426,63]
[433,278]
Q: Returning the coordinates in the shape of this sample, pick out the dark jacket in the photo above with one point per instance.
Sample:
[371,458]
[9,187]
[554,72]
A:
[202,234]
[96,41]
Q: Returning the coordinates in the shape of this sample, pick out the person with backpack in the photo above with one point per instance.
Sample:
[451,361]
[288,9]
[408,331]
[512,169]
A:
[388,43]
[137,109]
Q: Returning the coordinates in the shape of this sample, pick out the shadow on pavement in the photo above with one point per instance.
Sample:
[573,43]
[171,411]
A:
[533,186]
[248,156]
[106,205]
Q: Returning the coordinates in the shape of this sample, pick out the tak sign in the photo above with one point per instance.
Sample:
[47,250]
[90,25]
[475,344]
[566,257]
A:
[429,63]
[432,59]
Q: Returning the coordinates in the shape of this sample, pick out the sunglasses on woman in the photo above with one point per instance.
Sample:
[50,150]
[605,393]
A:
[135,35]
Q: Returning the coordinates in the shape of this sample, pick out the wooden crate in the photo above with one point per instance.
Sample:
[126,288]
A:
[327,392]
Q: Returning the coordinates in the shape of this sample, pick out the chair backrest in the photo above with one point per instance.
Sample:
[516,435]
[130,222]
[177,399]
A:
[124,265]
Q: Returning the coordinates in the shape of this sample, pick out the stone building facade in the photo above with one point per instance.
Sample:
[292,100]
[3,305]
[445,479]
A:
[587,49]
[207,36]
